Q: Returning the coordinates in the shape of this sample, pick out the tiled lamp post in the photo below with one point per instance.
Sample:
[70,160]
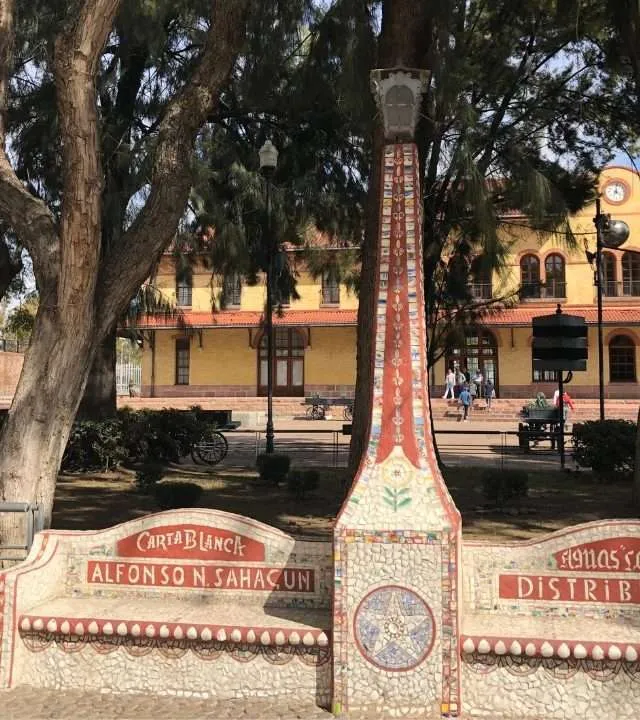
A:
[397,538]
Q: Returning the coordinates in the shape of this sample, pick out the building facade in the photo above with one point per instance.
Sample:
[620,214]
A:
[224,351]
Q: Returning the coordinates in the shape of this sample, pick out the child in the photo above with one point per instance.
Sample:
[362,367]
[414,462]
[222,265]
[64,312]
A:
[465,402]
[489,390]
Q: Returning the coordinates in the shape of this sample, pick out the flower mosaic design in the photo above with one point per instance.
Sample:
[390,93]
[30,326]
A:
[394,628]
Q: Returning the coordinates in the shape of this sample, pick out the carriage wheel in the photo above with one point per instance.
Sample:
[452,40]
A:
[212,450]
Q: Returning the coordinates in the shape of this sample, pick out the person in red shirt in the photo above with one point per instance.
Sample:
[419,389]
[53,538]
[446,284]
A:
[566,401]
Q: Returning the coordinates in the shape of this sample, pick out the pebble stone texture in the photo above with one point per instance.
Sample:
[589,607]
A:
[397,538]
[568,646]
[80,615]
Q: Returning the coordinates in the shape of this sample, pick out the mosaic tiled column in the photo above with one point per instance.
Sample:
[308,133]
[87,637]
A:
[397,538]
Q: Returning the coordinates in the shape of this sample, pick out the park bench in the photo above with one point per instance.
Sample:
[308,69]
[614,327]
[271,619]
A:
[198,602]
[557,616]
[317,406]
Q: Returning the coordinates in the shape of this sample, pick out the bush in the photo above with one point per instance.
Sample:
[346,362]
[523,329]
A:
[175,495]
[502,488]
[273,467]
[133,436]
[148,475]
[301,482]
[606,446]
[94,446]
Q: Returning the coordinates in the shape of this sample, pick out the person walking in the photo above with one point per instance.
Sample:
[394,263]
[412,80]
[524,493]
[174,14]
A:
[567,403]
[478,379]
[489,390]
[460,381]
[473,390]
[465,402]
[450,381]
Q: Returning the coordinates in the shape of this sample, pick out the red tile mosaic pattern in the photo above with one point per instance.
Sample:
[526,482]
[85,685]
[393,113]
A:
[398,526]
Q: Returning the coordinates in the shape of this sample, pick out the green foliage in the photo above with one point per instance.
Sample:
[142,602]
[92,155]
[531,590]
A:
[94,446]
[172,495]
[302,482]
[148,475]
[161,436]
[273,467]
[606,446]
[505,487]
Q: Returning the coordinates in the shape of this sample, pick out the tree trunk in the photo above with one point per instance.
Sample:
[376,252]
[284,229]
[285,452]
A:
[405,40]
[366,313]
[99,400]
[44,406]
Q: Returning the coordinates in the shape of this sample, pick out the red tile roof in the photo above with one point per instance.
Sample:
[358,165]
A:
[249,318]
[522,315]
[514,317]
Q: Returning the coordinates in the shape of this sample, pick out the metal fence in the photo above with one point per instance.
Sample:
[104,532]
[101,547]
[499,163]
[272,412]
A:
[127,375]
[330,448]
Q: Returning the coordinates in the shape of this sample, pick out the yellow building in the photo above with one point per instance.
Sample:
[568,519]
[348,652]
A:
[224,354]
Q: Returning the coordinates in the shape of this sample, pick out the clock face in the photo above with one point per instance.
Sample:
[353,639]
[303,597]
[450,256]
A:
[615,191]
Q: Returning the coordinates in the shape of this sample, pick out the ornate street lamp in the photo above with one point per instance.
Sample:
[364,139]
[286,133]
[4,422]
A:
[398,92]
[268,155]
[612,234]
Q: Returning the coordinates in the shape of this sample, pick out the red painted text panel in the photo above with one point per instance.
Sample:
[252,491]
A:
[191,542]
[569,589]
[222,577]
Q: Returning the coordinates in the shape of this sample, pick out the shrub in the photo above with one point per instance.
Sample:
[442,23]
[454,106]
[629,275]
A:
[301,482]
[133,436]
[502,488]
[606,446]
[94,446]
[148,475]
[273,467]
[174,495]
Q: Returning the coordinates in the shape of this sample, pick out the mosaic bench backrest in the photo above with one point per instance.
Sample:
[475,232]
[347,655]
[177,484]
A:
[187,552]
[590,570]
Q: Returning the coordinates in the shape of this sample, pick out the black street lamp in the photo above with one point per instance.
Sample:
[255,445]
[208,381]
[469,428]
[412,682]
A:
[268,154]
[609,234]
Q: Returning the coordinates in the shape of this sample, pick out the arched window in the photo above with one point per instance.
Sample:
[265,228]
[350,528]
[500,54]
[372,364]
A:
[184,287]
[530,276]
[555,285]
[622,359]
[609,284]
[631,274]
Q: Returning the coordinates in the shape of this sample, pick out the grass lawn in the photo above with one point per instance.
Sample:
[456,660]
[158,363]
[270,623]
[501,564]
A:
[556,500]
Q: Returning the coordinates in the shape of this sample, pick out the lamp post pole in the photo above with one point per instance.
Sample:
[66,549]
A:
[268,162]
[598,222]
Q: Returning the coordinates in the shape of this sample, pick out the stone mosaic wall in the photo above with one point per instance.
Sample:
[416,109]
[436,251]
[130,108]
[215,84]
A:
[397,538]
[550,627]
[188,603]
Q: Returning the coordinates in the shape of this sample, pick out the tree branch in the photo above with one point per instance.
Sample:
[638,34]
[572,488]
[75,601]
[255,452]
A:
[130,260]
[30,218]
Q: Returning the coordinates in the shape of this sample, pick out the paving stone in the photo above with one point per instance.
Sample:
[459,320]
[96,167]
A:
[26,703]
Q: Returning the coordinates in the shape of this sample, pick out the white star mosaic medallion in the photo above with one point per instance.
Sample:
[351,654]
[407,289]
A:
[394,628]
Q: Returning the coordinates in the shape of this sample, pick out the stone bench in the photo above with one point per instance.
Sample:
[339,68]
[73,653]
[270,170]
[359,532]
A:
[551,628]
[197,603]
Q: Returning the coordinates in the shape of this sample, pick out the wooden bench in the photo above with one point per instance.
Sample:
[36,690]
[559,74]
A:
[193,602]
[558,617]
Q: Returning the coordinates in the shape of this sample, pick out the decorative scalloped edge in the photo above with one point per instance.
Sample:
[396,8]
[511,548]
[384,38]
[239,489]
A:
[79,627]
[538,647]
